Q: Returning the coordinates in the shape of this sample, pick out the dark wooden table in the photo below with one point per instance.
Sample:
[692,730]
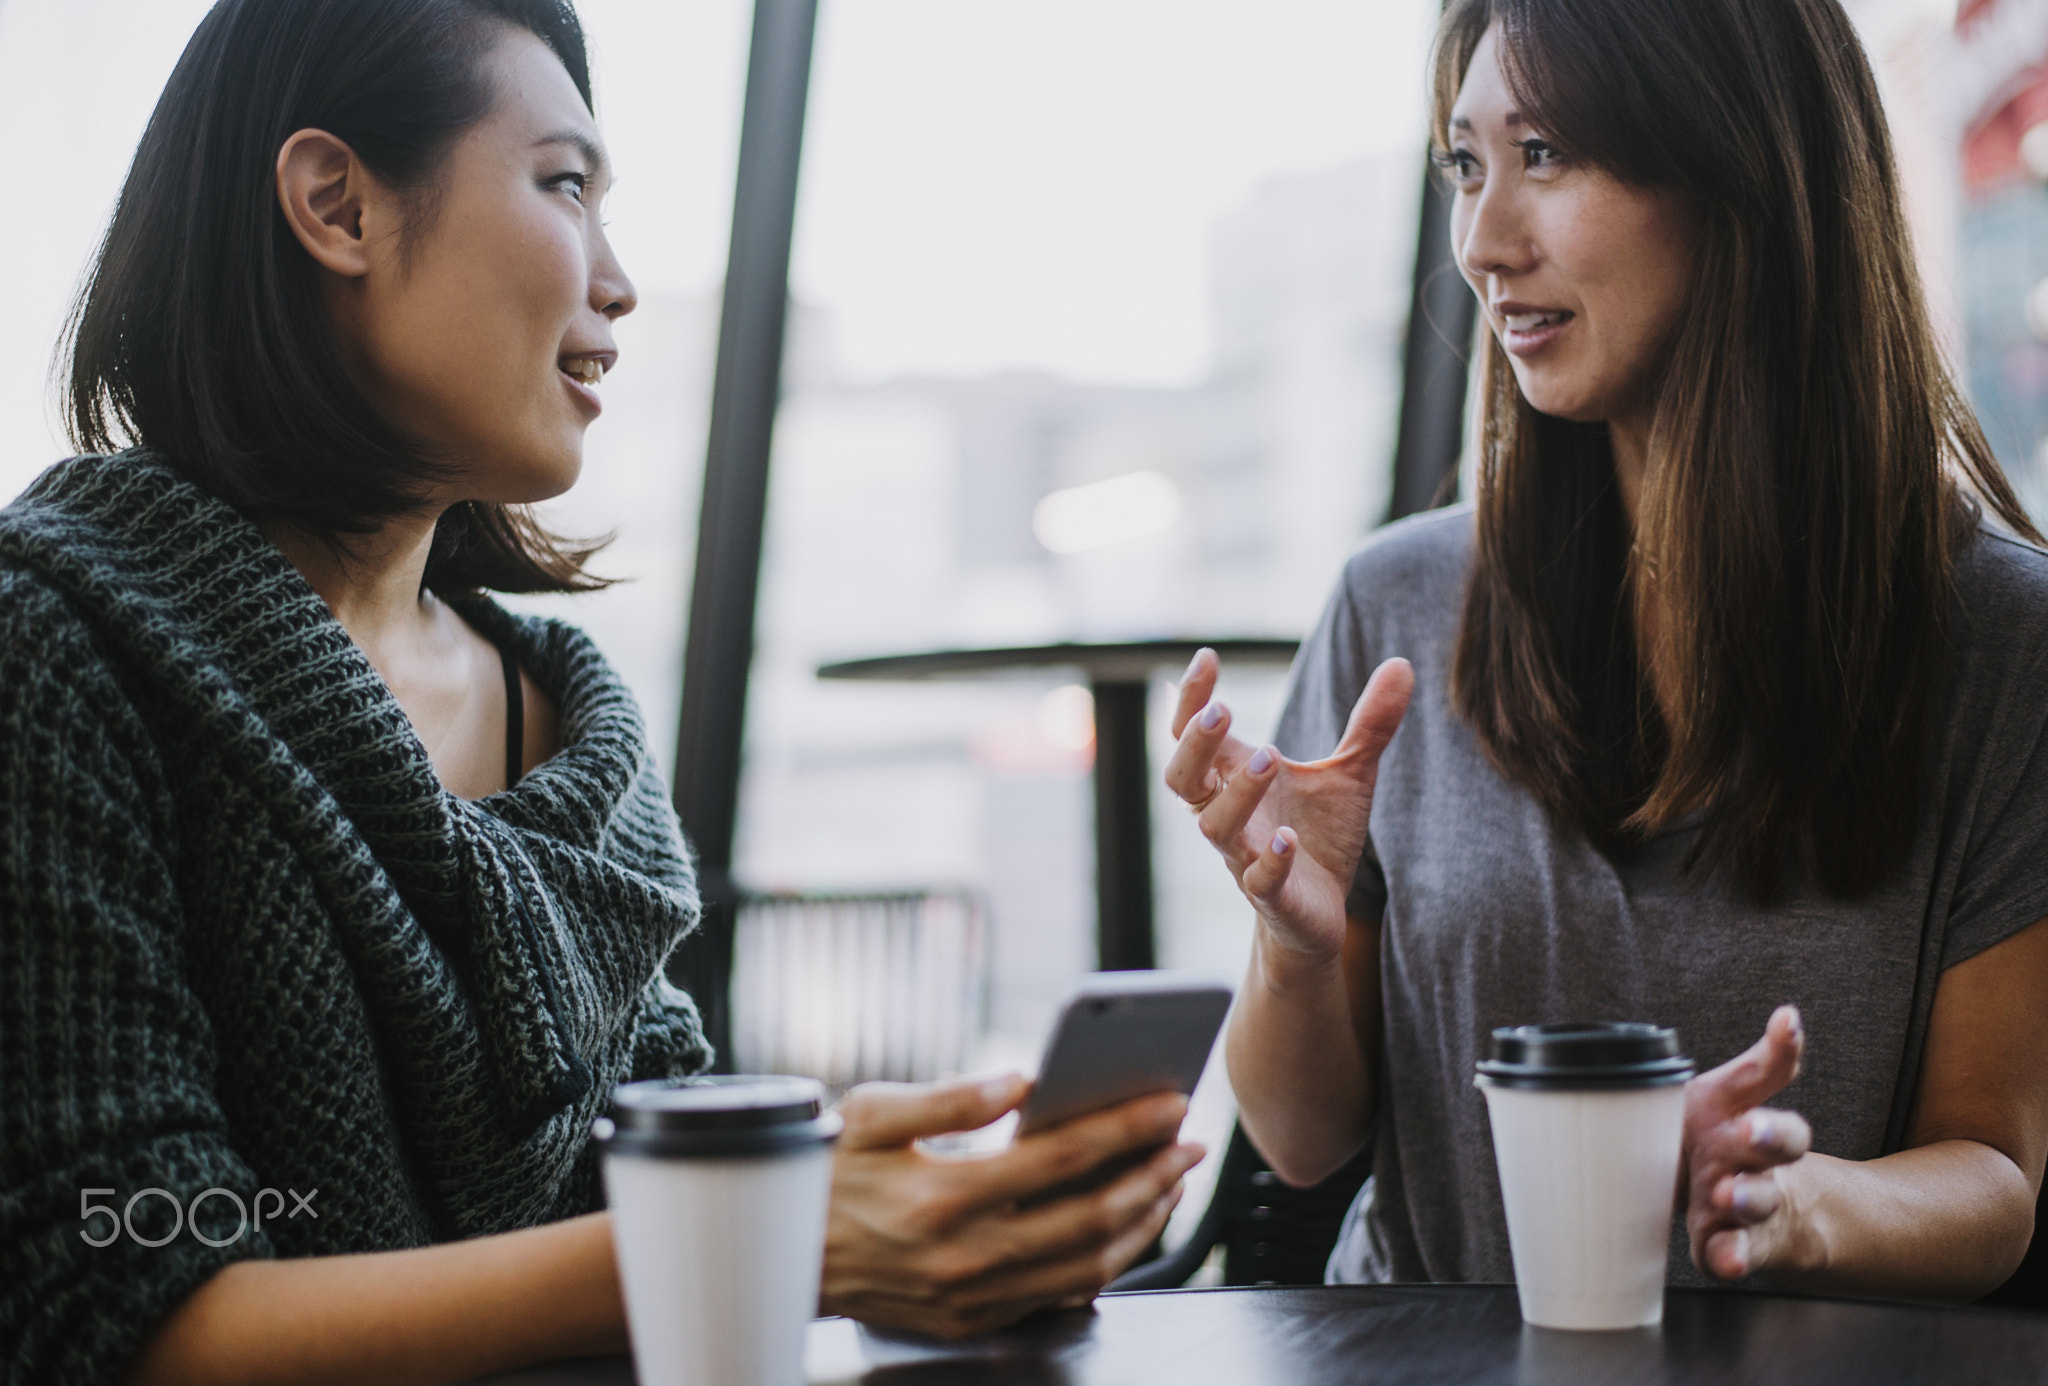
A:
[1438,1335]
[1118,675]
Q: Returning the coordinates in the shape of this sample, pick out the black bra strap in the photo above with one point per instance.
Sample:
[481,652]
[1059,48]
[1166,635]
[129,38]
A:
[515,719]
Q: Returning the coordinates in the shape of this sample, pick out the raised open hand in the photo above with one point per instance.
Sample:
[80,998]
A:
[1290,831]
[1735,1211]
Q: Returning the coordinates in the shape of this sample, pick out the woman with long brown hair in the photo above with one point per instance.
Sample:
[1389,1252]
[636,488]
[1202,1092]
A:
[1724,701]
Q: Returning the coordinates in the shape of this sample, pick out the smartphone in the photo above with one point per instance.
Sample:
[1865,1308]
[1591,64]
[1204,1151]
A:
[1122,1035]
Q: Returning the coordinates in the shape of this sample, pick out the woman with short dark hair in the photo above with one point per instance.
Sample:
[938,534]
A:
[1725,694]
[333,898]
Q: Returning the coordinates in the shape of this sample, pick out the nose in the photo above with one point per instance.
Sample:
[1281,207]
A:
[611,292]
[1490,232]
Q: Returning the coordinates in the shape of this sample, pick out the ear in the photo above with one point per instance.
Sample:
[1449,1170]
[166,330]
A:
[330,201]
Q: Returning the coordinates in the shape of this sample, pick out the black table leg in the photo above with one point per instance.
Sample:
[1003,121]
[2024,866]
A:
[1123,829]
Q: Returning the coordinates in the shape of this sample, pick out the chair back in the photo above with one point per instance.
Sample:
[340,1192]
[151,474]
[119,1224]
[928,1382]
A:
[1274,1233]
[850,988]
[1270,1232]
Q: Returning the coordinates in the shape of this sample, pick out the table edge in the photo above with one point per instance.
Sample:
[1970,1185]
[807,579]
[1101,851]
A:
[1063,654]
[1408,1287]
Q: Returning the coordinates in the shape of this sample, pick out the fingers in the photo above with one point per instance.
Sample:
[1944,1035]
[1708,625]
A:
[1117,1257]
[1205,752]
[1748,1230]
[1205,756]
[1774,1137]
[1747,1199]
[1043,1159]
[879,1115]
[1733,1214]
[1093,1219]
[1197,685]
[1377,714]
[1757,1074]
[1223,821]
[1079,1273]
[1191,772]
[1727,1254]
[1758,1139]
[1010,1291]
[1265,876]
[1006,1265]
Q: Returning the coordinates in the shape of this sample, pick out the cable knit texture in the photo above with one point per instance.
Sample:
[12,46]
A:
[248,942]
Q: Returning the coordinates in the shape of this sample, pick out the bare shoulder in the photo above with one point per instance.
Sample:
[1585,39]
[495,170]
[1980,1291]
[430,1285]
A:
[543,730]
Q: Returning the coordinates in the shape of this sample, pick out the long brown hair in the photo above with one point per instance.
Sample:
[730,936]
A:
[1814,469]
[201,333]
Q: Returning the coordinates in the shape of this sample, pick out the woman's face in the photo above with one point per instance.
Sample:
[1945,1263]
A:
[1582,278]
[483,332]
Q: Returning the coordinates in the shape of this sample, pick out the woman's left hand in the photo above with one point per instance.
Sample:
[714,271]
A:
[1736,1209]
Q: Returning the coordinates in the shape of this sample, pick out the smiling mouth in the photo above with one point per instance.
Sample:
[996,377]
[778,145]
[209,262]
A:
[1525,323]
[586,370]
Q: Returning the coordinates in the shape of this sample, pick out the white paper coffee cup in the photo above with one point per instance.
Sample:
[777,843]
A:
[718,1189]
[1587,1123]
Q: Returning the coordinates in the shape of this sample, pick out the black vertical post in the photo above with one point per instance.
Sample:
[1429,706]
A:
[1123,828]
[745,391]
[1441,314]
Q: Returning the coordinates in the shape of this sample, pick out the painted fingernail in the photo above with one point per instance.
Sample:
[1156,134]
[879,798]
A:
[1743,1199]
[1761,1129]
[1742,1253]
[1281,846]
[1261,761]
[1212,717]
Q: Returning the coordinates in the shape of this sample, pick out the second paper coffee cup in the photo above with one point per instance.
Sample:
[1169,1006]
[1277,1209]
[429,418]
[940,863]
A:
[1587,1124]
[718,1189]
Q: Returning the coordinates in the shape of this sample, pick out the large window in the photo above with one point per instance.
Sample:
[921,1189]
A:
[1097,332]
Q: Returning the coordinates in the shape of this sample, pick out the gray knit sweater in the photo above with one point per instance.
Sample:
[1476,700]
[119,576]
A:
[248,942]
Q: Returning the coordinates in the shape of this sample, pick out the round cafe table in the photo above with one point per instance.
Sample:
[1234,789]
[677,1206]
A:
[1441,1335]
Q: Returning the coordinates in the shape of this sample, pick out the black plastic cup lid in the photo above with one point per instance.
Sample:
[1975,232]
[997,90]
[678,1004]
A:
[724,1114]
[1596,1054]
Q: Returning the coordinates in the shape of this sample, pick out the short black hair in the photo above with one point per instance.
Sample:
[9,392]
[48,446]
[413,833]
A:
[201,333]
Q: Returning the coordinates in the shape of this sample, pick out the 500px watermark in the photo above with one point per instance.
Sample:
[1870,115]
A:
[186,1213]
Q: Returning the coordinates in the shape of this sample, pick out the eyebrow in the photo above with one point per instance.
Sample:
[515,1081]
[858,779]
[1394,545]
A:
[1459,122]
[592,152]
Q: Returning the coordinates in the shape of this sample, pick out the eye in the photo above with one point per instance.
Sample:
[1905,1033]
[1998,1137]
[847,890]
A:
[1459,165]
[575,184]
[1538,153]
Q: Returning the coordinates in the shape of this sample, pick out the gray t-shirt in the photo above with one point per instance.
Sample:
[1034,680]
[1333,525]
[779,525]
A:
[1495,913]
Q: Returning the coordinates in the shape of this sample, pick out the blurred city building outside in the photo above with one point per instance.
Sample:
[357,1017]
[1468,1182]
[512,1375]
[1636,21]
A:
[1999,94]
[902,518]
